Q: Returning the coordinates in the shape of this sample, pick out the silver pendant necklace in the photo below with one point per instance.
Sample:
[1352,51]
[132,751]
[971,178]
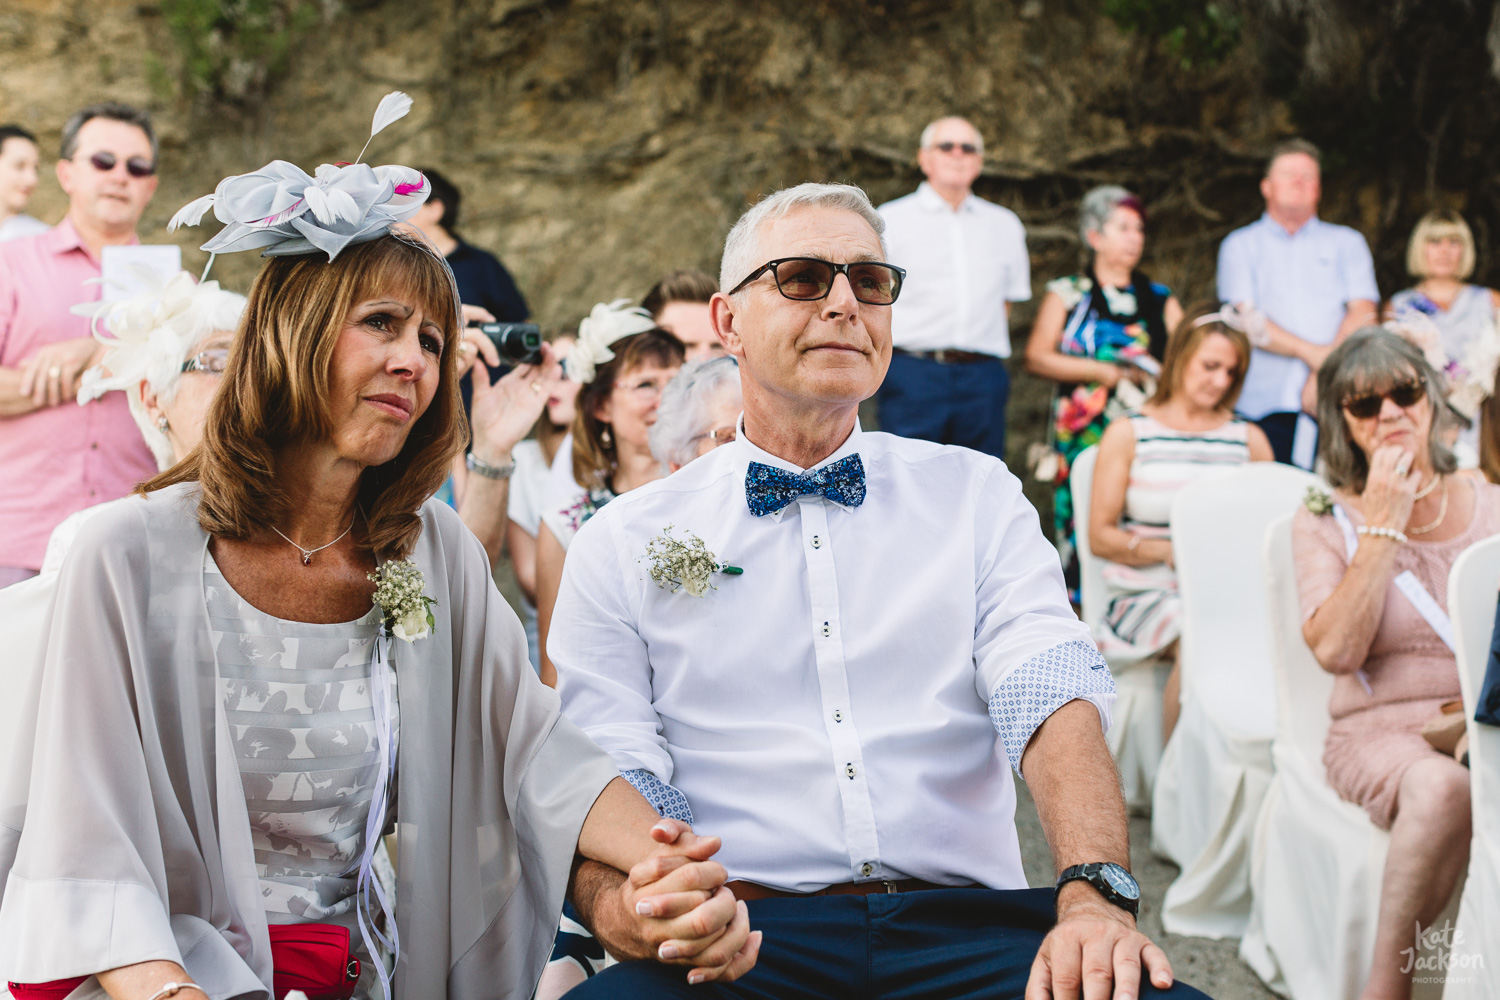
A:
[307,554]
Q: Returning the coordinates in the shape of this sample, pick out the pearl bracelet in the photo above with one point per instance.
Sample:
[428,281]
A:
[172,989]
[1379,532]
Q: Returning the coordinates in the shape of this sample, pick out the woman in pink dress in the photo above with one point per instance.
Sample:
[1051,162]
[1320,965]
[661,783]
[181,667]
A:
[1372,572]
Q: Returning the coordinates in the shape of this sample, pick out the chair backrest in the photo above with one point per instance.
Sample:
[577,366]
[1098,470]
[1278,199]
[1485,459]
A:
[1303,687]
[1090,578]
[1473,587]
[1218,540]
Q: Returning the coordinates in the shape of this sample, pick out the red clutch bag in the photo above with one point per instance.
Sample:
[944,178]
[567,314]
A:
[313,958]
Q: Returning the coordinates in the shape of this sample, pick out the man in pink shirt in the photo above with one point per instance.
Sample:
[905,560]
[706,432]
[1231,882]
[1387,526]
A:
[57,457]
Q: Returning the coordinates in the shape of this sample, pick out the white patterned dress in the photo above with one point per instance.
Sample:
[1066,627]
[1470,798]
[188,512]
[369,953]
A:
[298,701]
[1142,617]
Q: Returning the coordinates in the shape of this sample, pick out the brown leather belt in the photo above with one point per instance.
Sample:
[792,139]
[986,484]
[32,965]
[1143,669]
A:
[951,357]
[754,890]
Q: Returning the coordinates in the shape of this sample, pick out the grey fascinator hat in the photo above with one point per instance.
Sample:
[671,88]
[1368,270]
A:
[282,211]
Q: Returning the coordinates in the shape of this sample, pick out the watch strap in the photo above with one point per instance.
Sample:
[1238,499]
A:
[1093,874]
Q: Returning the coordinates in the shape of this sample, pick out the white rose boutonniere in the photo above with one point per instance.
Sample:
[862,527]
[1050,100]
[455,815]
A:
[1317,501]
[685,564]
[405,611]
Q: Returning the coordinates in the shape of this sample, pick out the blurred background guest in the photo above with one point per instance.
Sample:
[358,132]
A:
[1101,335]
[54,458]
[482,280]
[1366,569]
[1187,431]
[622,361]
[679,305]
[700,410]
[528,485]
[1460,315]
[966,262]
[1313,280]
[18,162]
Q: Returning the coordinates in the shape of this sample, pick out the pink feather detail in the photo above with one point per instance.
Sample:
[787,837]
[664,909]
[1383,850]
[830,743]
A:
[279,217]
[405,189]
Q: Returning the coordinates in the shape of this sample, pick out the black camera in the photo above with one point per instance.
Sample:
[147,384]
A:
[518,343]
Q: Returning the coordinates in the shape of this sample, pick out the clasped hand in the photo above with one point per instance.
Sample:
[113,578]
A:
[69,359]
[681,912]
[1390,488]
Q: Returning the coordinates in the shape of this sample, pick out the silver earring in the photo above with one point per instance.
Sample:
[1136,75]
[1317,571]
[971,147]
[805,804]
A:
[161,424]
[605,438]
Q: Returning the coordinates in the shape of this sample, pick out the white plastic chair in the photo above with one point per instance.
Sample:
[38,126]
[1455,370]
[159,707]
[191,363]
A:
[1316,861]
[1472,589]
[1134,736]
[1217,765]
[23,607]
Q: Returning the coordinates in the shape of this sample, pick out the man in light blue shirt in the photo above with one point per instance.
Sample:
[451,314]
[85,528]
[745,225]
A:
[1314,282]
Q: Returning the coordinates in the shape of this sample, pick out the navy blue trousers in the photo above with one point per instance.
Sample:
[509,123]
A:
[941,944]
[960,404]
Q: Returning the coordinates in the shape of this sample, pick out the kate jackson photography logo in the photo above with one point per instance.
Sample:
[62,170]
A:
[1439,955]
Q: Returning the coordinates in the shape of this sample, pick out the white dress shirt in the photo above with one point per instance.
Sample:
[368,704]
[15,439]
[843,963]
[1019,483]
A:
[961,268]
[1303,282]
[832,712]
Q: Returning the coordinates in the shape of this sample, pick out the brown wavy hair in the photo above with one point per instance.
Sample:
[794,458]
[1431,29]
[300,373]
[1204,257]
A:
[1184,342]
[594,462]
[275,393]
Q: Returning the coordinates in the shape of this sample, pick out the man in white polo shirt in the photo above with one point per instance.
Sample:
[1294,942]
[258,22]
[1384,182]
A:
[966,261]
[1315,284]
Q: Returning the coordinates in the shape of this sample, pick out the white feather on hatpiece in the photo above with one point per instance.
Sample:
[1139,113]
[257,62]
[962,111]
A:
[281,210]
[603,326]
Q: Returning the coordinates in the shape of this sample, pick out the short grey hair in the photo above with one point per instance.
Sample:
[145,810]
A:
[1097,206]
[931,130]
[742,245]
[114,111]
[1373,359]
[682,417]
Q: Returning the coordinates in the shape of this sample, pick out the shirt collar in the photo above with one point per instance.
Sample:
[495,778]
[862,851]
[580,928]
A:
[1306,228]
[929,199]
[63,237]
[747,452]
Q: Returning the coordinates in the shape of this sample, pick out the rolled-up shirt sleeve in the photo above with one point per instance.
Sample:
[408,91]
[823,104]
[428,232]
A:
[1031,653]
[603,668]
[1359,271]
[1236,276]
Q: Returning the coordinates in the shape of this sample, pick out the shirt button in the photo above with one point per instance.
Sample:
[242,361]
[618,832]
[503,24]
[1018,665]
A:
[94,446]
[851,770]
[867,869]
[838,715]
[93,493]
[817,542]
[826,630]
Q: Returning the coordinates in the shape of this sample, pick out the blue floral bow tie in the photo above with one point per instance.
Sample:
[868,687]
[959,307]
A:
[769,489]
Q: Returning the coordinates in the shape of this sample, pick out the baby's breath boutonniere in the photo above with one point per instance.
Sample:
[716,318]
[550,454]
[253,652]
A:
[405,611]
[1317,501]
[685,564]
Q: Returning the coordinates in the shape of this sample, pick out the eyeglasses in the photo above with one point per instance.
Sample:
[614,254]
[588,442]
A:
[1404,395]
[136,166]
[720,435]
[212,361]
[808,279]
[644,389]
[967,148]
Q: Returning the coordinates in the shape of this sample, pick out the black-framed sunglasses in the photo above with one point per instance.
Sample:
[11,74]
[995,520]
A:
[213,361]
[136,166]
[967,148]
[1403,395]
[808,279]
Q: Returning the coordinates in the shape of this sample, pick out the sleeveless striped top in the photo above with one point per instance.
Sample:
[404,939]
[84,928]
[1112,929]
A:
[1166,460]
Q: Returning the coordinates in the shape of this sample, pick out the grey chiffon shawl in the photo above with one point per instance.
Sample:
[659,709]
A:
[123,830]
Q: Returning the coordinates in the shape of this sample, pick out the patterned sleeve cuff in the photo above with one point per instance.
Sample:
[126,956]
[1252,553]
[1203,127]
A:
[666,800]
[1042,685]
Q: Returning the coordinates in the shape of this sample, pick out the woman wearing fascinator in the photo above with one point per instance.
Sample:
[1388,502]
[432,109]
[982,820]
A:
[623,361]
[281,649]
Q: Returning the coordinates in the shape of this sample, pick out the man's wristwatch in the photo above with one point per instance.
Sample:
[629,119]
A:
[1113,882]
[482,468]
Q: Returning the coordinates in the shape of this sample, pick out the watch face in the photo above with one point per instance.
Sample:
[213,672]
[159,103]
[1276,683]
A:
[1120,881]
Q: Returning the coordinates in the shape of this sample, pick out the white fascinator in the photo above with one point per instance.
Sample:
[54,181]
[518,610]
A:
[602,327]
[282,211]
[148,337]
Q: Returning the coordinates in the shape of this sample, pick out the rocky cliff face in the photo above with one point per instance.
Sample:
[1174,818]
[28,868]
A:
[599,143]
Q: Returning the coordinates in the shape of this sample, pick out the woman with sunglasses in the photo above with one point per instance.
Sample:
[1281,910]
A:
[1101,336]
[1372,574]
[622,361]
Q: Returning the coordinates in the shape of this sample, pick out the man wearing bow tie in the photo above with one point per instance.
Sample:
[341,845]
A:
[846,710]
